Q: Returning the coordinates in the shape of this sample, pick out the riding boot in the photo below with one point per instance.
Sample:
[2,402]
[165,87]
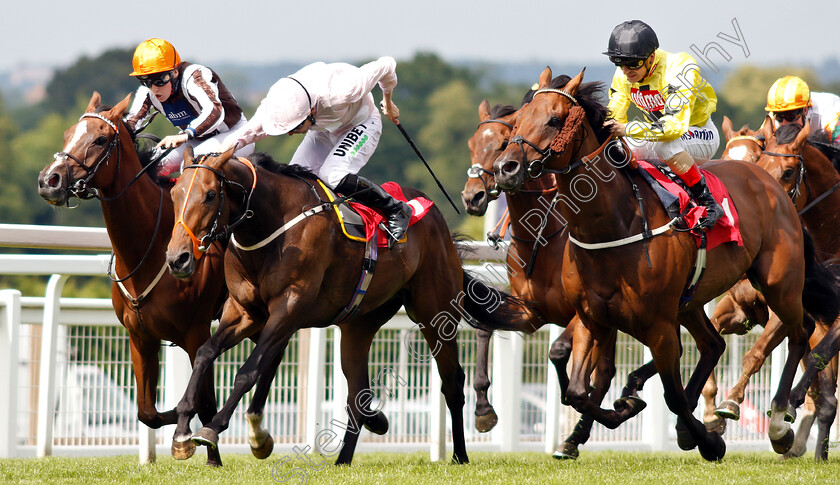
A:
[396,212]
[701,193]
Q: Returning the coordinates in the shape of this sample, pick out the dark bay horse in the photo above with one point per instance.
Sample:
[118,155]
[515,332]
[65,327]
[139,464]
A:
[99,155]
[537,235]
[288,266]
[616,278]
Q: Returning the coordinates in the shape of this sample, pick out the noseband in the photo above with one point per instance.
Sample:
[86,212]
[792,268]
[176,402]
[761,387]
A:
[217,232]
[80,187]
[476,170]
[558,144]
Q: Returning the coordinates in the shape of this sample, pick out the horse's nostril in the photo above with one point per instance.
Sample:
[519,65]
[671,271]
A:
[478,198]
[54,180]
[510,167]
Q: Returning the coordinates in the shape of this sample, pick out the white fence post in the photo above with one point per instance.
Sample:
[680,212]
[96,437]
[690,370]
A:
[315,387]
[49,349]
[9,368]
[552,396]
[437,414]
[655,416]
[507,376]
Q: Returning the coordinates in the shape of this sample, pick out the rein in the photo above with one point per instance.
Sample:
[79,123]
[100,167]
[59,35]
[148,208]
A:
[200,246]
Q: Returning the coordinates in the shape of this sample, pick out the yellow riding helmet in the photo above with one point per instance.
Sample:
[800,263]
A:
[788,93]
[153,56]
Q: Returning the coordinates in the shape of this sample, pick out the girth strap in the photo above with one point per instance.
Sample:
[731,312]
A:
[368,268]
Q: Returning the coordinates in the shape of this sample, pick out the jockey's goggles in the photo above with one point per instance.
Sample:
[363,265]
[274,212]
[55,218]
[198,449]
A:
[788,116]
[158,80]
[628,62]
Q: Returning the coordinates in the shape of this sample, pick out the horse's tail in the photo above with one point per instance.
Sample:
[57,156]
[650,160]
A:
[821,295]
[491,309]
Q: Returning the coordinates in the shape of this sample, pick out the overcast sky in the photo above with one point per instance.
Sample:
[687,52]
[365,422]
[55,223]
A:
[58,32]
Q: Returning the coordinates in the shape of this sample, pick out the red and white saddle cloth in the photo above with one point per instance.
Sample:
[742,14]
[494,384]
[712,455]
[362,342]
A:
[363,222]
[726,229]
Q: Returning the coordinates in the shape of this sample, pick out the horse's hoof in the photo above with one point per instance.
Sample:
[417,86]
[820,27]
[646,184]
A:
[463,460]
[715,450]
[716,425]
[794,452]
[566,451]
[377,424]
[729,410]
[685,441]
[486,422]
[783,444]
[182,450]
[264,450]
[206,437]
[790,414]
[633,404]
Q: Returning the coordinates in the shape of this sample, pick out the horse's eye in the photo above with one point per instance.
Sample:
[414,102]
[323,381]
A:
[787,175]
[504,145]
[555,122]
[210,197]
[101,141]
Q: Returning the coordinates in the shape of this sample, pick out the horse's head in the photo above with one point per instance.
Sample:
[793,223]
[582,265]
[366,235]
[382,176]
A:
[545,129]
[744,144]
[488,142]
[201,211]
[85,163]
[782,155]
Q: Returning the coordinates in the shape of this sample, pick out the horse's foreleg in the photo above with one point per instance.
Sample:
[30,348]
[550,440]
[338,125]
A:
[206,401]
[712,421]
[780,433]
[664,344]
[485,416]
[559,355]
[602,377]
[826,408]
[452,386]
[772,335]
[146,364]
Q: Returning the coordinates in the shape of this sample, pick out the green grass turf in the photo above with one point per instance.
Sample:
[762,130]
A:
[414,468]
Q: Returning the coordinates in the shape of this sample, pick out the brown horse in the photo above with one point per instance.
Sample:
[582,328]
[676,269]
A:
[612,283]
[99,159]
[289,266]
[537,234]
[742,308]
[745,145]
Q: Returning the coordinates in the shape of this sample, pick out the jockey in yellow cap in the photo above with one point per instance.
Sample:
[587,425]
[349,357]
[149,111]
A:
[791,101]
[191,96]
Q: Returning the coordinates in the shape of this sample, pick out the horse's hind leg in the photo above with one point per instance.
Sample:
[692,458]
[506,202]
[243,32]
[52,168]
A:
[773,334]
[260,440]
[485,416]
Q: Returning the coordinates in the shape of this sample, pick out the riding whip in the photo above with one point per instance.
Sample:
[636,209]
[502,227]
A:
[420,155]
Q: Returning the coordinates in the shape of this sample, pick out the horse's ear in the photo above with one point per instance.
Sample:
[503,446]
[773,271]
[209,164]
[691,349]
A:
[802,136]
[484,110]
[573,85]
[767,128]
[545,78]
[726,127]
[121,107]
[188,155]
[94,103]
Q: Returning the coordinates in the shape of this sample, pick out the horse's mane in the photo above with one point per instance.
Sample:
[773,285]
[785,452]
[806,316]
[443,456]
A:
[818,139]
[589,96]
[265,161]
[500,111]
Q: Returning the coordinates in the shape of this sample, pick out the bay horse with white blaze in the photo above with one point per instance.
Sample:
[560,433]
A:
[288,266]
[619,274]
[99,159]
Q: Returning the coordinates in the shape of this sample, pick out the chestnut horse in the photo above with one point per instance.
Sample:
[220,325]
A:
[537,234]
[619,274]
[288,266]
[99,159]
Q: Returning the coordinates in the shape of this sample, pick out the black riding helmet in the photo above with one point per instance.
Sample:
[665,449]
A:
[632,39]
